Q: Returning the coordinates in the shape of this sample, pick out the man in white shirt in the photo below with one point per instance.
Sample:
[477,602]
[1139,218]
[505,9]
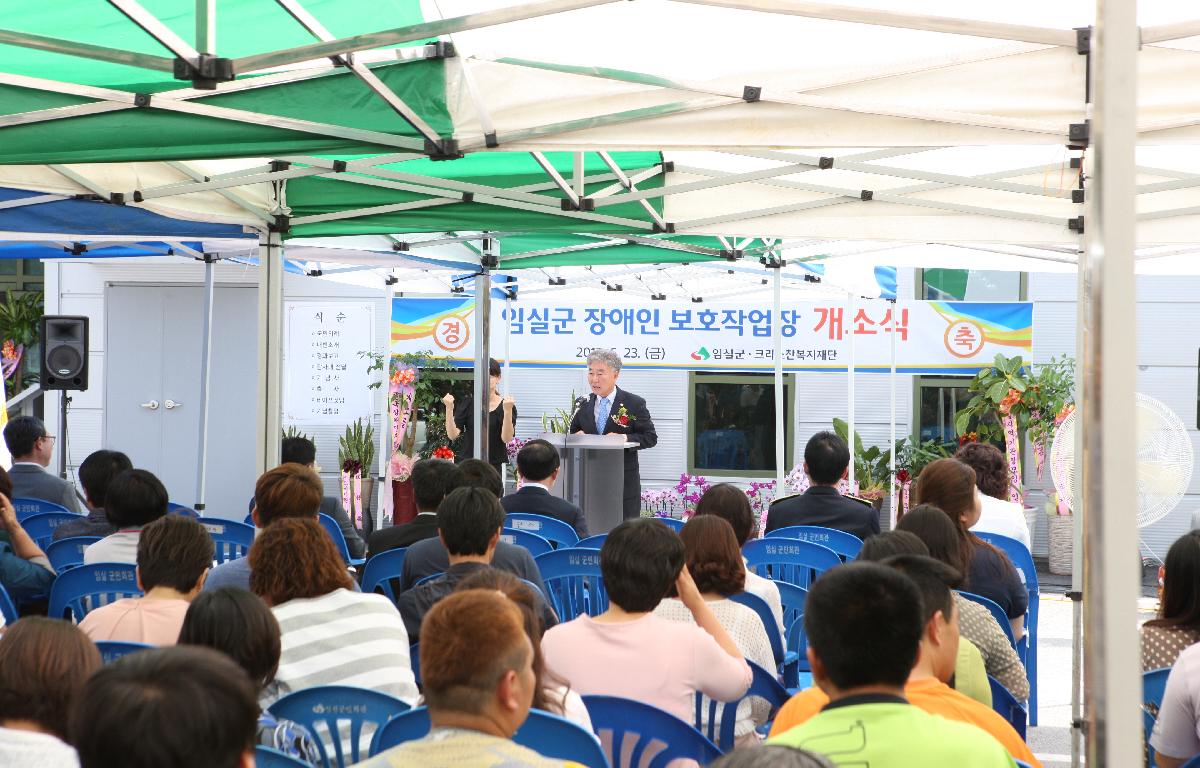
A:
[32,448]
[135,499]
[538,464]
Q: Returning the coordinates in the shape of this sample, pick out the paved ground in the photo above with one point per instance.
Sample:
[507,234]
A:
[1051,740]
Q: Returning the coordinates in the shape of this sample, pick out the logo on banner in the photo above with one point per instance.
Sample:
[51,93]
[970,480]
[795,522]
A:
[451,333]
[701,354]
[964,338]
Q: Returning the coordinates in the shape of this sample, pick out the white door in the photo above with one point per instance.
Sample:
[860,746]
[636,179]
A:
[152,389]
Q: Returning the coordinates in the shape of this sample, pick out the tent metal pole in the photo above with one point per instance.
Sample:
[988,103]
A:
[1083,334]
[206,26]
[850,393]
[1112,572]
[781,421]
[87,51]
[151,25]
[205,378]
[892,495]
[269,390]
[483,330]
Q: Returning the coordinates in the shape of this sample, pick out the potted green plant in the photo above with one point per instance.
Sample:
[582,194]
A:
[20,321]
[559,421]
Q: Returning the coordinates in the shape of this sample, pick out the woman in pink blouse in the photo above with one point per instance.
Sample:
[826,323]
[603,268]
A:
[629,652]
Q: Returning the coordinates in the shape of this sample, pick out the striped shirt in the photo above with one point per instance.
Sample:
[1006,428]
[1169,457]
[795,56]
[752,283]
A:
[343,638]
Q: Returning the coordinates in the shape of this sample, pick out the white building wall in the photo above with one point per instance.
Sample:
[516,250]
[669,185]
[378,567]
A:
[77,287]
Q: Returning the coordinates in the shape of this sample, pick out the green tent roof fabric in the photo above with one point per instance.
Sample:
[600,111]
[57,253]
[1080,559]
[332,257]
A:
[512,249]
[312,196]
[243,28]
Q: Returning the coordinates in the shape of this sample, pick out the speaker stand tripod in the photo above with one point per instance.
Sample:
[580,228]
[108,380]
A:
[65,400]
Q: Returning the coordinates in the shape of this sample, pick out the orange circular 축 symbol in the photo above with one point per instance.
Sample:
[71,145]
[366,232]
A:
[452,333]
[964,338]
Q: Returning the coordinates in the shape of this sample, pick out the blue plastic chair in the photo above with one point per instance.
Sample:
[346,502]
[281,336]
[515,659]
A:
[796,641]
[67,553]
[1022,560]
[7,609]
[543,732]
[791,560]
[429,578]
[26,507]
[265,757]
[847,545]
[335,705]
[1154,686]
[637,735]
[232,539]
[182,509]
[716,721]
[674,523]
[1193,763]
[339,540]
[999,615]
[383,572]
[786,663]
[572,578]
[111,650]
[549,528]
[249,520]
[793,599]
[81,589]
[1007,706]
[592,542]
[40,527]
[537,545]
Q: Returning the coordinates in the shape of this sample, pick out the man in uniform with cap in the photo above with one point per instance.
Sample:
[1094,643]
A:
[826,461]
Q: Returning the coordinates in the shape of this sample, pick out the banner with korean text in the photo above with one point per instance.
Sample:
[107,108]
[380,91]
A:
[931,336]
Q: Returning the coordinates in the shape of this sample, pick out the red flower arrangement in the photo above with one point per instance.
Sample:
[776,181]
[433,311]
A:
[968,437]
[442,452]
[903,476]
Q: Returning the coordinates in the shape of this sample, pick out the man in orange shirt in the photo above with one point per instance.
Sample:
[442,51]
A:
[926,687]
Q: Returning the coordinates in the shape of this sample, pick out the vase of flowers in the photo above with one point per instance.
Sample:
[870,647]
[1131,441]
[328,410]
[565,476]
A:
[356,454]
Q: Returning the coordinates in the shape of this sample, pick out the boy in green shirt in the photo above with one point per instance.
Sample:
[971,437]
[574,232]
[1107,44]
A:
[864,623]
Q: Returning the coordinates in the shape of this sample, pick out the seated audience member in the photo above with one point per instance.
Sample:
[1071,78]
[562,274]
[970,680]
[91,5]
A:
[712,556]
[1178,623]
[302,451]
[135,498]
[826,462]
[949,485]
[970,673]
[537,466]
[240,625]
[629,651]
[289,490]
[469,522]
[997,514]
[432,480]
[926,687]
[31,449]
[184,706]
[477,670]
[43,666]
[429,556]
[477,473]
[330,634]
[1176,736]
[976,623]
[730,503]
[95,474]
[864,625]
[25,572]
[771,757]
[174,555]
[550,694]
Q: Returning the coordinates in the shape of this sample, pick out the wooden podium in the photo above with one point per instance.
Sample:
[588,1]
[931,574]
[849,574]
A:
[592,476]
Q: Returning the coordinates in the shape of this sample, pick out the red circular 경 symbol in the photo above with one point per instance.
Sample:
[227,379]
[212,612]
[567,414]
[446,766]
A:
[451,333]
[964,338]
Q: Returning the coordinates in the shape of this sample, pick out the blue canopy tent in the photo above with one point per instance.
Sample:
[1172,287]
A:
[34,225]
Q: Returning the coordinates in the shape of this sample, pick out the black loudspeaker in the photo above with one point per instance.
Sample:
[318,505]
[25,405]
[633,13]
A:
[64,363]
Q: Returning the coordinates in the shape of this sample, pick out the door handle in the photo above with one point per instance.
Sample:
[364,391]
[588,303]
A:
[171,404]
[151,405]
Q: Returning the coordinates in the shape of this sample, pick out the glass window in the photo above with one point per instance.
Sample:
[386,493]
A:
[21,275]
[970,285]
[732,423]
[938,402]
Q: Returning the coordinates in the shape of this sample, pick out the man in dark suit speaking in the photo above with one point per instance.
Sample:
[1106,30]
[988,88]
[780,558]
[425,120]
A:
[537,464]
[613,411]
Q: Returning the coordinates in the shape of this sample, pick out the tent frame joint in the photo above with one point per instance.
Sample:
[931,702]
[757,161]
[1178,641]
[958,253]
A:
[669,229]
[1083,40]
[490,141]
[584,204]
[735,254]
[206,72]
[866,194]
[281,224]
[825,163]
[443,149]
[1075,224]
[1079,135]
[751,93]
